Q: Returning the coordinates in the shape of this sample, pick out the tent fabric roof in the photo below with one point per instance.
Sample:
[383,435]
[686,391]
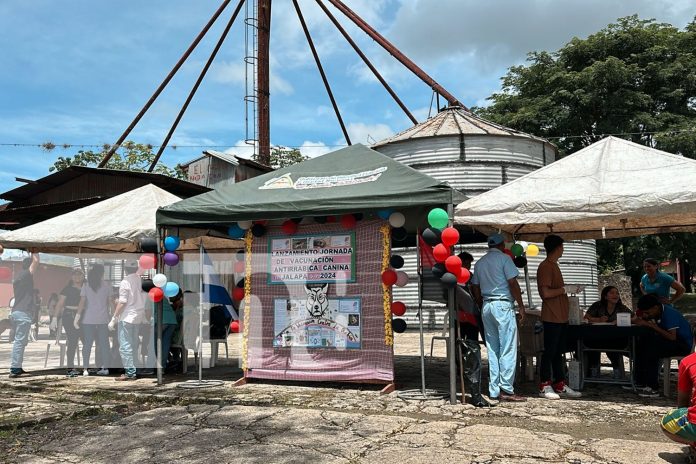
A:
[115,224]
[612,188]
[352,179]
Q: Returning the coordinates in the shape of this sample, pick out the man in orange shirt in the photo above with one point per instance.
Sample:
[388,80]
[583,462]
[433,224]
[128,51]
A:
[554,315]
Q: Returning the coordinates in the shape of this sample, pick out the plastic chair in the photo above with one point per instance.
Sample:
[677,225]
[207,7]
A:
[214,346]
[444,336]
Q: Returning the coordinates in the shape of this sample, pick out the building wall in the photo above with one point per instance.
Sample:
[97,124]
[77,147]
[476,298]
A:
[48,279]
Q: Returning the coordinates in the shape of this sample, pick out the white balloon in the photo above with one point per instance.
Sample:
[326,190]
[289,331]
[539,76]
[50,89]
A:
[160,280]
[524,245]
[397,220]
[401,279]
[245,224]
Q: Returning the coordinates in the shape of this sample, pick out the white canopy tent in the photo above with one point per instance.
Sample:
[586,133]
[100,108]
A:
[613,188]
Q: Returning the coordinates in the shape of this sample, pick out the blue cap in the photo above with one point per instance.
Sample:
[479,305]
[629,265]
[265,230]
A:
[495,239]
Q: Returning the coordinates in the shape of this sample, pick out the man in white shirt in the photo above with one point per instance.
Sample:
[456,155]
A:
[129,315]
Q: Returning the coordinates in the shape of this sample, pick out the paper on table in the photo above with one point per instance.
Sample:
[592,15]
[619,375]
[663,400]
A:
[601,323]
[574,289]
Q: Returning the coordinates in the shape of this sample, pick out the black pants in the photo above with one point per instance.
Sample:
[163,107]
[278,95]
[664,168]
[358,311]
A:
[552,360]
[471,354]
[74,335]
[649,349]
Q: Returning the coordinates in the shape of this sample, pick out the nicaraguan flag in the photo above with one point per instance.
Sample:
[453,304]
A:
[213,291]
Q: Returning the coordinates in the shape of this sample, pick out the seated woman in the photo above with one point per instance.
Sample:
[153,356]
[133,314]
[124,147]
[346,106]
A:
[605,311]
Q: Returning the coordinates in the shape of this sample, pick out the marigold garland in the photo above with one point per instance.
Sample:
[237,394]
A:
[386,290]
[248,240]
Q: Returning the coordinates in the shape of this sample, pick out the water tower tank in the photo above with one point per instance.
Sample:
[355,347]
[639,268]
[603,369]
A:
[474,155]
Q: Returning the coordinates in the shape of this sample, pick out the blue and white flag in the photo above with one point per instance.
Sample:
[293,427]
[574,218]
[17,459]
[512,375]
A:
[213,291]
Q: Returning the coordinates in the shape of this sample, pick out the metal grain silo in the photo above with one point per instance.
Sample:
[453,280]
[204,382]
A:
[474,155]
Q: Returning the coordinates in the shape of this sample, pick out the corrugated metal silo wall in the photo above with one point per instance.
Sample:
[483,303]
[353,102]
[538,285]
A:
[485,162]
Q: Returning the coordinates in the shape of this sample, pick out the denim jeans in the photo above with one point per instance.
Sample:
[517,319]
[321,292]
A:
[21,323]
[128,345]
[100,334]
[501,342]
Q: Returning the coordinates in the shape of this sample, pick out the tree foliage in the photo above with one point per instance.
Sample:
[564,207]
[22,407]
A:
[130,156]
[283,156]
[635,79]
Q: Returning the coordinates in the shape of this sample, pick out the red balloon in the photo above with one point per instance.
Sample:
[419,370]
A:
[450,236]
[464,276]
[156,294]
[509,253]
[239,267]
[234,326]
[5,273]
[441,252]
[289,227]
[147,261]
[238,294]
[453,264]
[263,222]
[348,221]
[398,308]
[389,277]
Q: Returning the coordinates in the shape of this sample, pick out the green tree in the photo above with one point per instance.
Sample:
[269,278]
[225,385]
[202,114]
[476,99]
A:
[284,156]
[130,156]
[635,79]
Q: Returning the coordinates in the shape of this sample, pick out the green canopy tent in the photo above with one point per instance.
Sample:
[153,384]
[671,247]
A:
[355,179]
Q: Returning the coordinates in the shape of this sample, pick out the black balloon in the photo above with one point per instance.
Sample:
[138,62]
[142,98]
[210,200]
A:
[396,261]
[439,270]
[240,284]
[320,219]
[449,280]
[240,256]
[399,234]
[147,285]
[399,325]
[296,220]
[358,216]
[258,230]
[148,245]
[432,236]
[520,261]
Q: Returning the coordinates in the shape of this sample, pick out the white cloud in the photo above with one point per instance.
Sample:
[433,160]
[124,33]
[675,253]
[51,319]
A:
[367,133]
[241,149]
[314,149]
[234,72]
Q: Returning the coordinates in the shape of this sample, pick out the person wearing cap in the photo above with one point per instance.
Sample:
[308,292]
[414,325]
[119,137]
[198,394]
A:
[130,313]
[495,288]
[554,316]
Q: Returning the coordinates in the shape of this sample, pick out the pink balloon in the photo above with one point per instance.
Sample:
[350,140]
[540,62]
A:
[401,279]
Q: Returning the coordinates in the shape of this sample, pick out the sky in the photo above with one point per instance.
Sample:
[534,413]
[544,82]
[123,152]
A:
[76,72]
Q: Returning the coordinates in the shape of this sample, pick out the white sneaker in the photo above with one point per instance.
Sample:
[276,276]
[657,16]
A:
[85,373]
[103,371]
[568,392]
[548,393]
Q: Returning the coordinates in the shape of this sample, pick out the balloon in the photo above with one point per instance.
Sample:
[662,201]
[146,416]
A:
[464,276]
[258,230]
[524,245]
[331,219]
[149,245]
[384,213]
[238,294]
[171,243]
[399,234]
[320,219]
[5,273]
[235,231]
[155,294]
[358,216]
[439,270]
[147,285]
[389,277]
[441,252]
[147,261]
[399,326]
[234,326]
[240,256]
[239,267]
[517,249]
[263,222]
[171,259]
[438,218]
[397,220]
[245,224]
[240,283]
[453,264]
[450,236]
[520,261]
[159,280]
[508,252]
[532,250]
[432,236]
[289,227]
[401,279]
[449,280]
[396,261]
[171,289]
[398,308]
[348,221]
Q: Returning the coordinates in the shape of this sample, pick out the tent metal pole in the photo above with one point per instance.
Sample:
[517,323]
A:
[528,286]
[200,313]
[451,341]
[159,309]
[420,312]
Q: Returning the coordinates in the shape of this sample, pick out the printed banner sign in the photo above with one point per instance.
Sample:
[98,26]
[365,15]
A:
[311,259]
[336,325]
